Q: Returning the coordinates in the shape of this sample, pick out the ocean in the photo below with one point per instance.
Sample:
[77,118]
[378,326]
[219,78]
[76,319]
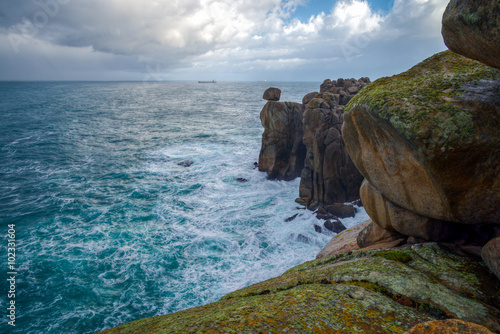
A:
[136,199]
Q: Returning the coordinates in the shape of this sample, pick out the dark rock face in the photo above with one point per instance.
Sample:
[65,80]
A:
[329,175]
[282,152]
[472,29]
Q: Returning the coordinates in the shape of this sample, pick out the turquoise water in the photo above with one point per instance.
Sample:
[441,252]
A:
[109,228]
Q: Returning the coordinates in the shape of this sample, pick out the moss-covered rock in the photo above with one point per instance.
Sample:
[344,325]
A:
[428,138]
[377,291]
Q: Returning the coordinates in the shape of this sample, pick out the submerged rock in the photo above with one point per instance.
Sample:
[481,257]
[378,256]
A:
[376,291]
[185,163]
[472,28]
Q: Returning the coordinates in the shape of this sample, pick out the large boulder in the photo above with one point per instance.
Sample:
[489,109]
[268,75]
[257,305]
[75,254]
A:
[428,139]
[282,152]
[374,291]
[472,28]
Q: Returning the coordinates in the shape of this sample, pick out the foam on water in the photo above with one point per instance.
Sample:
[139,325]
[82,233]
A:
[110,228]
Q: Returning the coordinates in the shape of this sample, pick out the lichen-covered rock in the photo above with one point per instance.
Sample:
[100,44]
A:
[428,138]
[450,326]
[491,255]
[282,152]
[377,291]
[472,28]
[272,94]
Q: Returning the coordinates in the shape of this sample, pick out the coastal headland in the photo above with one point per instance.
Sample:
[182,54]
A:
[422,151]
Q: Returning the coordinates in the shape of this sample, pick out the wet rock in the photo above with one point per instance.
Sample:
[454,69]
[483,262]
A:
[334,225]
[318,228]
[289,219]
[241,179]
[185,163]
[472,29]
[272,94]
[341,210]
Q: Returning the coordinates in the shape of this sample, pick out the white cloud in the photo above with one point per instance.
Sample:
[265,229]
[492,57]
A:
[182,37]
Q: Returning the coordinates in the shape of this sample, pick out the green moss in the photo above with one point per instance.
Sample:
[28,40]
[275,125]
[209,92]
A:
[424,103]
[399,256]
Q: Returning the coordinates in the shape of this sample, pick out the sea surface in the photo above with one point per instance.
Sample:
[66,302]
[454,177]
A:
[109,227]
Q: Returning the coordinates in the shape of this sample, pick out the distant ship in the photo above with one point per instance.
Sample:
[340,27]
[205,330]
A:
[213,81]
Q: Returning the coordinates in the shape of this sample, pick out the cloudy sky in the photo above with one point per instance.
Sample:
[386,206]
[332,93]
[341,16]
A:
[274,40]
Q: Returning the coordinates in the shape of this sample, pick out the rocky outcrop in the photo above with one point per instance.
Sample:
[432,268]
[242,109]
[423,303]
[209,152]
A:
[282,153]
[427,142]
[329,175]
[306,140]
[374,291]
[472,28]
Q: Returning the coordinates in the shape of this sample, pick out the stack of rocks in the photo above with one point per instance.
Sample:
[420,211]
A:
[305,139]
[282,153]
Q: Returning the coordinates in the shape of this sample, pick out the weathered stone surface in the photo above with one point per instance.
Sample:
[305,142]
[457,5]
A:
[343,242]
[377,291]
[329,175]
[392,217]
[450,326]
[428,138]
[373,234]
[491,255]
[282,152]
[272,94]
[308,97]
[472,28]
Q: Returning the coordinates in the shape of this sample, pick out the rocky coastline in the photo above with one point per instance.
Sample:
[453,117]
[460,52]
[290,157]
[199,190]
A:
[422,151]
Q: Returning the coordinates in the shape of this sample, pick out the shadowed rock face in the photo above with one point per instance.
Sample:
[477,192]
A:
[372,291]
[329,175]
[428,139]
[472,29]
[282,152]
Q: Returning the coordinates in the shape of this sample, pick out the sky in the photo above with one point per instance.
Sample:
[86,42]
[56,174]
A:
[226,40]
